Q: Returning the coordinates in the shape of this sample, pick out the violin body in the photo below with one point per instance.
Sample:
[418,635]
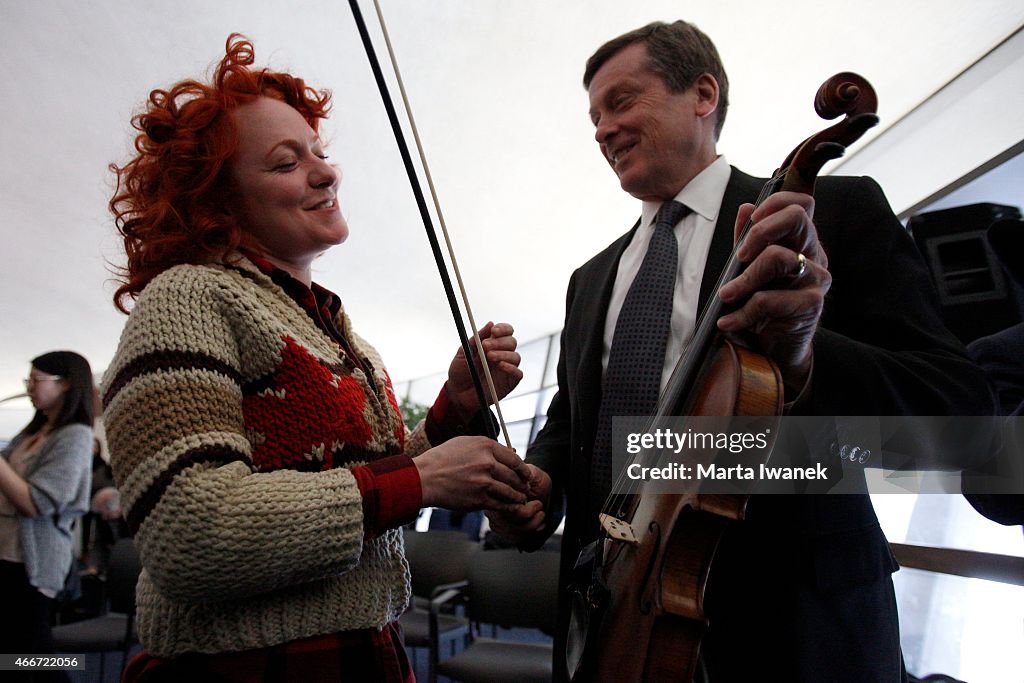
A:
[661,578]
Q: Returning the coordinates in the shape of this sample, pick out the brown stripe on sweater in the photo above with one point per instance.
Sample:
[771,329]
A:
[214,454]
[168,360]
[150,416]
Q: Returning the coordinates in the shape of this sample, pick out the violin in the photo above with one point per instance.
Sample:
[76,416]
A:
[638,591]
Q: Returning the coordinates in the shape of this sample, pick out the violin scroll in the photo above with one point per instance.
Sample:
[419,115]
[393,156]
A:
[845,93]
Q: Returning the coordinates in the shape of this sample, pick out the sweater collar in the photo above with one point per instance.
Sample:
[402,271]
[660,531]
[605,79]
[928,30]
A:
[317,301]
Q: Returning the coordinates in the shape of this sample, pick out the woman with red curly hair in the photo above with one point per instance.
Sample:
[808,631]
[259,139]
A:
[263,463]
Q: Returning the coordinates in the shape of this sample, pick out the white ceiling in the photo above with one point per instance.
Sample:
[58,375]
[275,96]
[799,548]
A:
[495,88]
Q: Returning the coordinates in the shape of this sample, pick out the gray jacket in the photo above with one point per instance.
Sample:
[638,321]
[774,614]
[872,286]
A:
[58,478]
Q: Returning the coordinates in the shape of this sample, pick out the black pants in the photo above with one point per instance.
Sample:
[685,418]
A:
[25,626]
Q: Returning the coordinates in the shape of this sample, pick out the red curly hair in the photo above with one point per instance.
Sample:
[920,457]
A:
[169,205]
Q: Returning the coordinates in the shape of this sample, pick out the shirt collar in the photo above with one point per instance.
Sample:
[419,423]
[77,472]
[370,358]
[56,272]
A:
[311,299]
[703,194]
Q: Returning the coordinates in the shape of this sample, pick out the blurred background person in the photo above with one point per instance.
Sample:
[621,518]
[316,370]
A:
[104,524]
[989,488]
[45,475]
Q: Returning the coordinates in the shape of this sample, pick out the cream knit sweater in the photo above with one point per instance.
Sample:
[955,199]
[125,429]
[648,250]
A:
[232,420]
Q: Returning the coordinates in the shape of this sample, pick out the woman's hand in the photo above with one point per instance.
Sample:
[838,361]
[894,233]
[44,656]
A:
[502,360]
[472,473]
[16,490]
[107,503]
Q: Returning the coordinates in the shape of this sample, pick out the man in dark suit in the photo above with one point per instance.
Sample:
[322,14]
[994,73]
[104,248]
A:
[1000,498]
[834,293]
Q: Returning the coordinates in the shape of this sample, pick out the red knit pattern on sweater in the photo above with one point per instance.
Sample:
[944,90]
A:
[306,411]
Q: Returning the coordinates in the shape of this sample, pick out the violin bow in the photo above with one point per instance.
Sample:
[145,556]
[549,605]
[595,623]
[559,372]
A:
[421,203]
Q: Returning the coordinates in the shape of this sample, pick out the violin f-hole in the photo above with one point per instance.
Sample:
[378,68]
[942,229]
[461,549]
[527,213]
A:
[647,601]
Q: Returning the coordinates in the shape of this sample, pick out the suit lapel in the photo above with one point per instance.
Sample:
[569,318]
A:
[741,188]
[595,283]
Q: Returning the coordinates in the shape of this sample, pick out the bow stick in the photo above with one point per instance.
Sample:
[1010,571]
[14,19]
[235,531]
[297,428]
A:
[425,213]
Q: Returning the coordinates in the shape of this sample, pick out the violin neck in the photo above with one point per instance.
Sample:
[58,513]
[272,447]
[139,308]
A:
[688,368]
[674,398]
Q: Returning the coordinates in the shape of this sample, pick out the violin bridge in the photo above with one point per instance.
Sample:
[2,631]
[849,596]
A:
[618,529]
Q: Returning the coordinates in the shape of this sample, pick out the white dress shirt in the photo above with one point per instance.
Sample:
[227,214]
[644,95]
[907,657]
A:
[704,196]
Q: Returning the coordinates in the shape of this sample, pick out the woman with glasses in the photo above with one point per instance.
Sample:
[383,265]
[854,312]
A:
[45,476]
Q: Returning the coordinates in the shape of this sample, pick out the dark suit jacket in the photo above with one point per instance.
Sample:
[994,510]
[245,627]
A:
[881,349]
[999,355]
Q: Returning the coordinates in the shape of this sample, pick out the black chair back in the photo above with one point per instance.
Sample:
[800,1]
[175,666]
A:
[437,558]
[510,588]
[122,575]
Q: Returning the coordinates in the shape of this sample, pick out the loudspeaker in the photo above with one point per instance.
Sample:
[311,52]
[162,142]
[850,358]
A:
[977,296]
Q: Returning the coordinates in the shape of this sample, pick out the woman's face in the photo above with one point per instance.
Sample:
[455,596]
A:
[285,192]
[46,391]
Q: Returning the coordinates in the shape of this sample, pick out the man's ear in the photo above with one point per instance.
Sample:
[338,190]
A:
[706,89]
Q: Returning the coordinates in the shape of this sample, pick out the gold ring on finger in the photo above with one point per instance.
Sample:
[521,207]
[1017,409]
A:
[801,267]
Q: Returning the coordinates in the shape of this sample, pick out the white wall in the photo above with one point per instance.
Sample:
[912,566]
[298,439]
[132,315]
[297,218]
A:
[975,118]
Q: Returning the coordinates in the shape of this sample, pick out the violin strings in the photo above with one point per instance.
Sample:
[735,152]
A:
[626,486]
[444,228]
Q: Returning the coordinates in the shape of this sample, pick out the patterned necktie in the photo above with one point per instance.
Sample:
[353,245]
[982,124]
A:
[632,381]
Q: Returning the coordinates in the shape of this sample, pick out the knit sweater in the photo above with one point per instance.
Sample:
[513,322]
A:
[234,424]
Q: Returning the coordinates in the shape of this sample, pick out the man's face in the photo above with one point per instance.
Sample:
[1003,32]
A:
[655,140]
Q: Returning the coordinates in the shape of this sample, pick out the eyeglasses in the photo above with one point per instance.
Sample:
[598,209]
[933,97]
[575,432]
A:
[34,379]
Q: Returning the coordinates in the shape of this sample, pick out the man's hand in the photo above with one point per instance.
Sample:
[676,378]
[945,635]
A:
[522,521]
[781,294]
